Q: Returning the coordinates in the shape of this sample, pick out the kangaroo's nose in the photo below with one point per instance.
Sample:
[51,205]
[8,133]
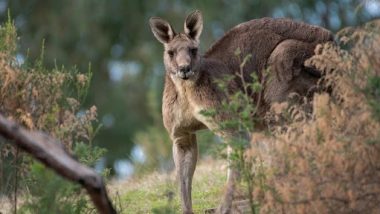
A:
[184,69]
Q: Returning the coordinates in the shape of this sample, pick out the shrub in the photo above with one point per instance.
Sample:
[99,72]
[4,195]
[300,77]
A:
[47,100]
[327,160]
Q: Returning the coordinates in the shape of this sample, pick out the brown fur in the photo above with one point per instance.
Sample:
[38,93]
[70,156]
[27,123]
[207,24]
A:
[281,44]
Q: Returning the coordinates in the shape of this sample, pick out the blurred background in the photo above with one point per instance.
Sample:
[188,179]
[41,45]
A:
[113,39]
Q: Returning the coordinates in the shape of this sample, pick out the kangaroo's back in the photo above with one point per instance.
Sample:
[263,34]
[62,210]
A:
[260,37]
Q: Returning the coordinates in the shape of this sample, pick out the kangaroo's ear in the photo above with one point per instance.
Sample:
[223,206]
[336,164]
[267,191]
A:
[161,29]
[194,25]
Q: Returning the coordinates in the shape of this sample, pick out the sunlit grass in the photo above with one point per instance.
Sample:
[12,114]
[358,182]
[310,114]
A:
[158,193]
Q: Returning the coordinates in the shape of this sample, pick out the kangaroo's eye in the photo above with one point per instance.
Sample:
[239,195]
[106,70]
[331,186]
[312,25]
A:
[171,53]
[194,51]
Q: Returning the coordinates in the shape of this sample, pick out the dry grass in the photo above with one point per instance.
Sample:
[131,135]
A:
[327,160]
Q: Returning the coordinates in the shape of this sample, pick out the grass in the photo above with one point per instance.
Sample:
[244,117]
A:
[158,193]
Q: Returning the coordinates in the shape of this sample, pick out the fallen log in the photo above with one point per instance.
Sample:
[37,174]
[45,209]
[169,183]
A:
[52,153]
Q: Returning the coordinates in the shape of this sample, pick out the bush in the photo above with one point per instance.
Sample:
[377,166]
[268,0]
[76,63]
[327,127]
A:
[327,160]
[47,100]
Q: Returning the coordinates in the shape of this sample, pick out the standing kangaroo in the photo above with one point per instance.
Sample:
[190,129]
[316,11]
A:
[281,44]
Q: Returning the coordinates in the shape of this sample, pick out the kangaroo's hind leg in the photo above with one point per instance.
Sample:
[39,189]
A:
[232,177]
[287,71]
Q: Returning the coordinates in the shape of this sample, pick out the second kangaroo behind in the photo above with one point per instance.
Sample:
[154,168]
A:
[190,77]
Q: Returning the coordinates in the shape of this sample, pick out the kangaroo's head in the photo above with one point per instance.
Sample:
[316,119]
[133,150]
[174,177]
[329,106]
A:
[181,56]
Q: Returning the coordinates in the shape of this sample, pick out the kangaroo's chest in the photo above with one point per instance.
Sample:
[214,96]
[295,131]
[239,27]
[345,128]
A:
[181,116]
[186,115]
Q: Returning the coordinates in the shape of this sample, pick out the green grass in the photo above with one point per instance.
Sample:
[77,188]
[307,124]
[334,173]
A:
[158,193]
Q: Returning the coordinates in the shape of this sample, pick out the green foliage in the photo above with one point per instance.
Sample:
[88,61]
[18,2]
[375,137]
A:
[8,35]
[372,92]
[88,154]
[50,193]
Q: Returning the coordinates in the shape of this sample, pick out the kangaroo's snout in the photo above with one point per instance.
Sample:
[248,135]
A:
[185,69]
[185,72]
[184,60]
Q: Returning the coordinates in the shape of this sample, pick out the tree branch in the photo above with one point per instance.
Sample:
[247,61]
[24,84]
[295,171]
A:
[52,153]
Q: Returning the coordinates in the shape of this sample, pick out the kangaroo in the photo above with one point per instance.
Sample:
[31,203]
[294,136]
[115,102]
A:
[281,44]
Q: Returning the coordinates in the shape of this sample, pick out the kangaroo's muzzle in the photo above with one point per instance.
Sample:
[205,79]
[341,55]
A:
[185,72]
